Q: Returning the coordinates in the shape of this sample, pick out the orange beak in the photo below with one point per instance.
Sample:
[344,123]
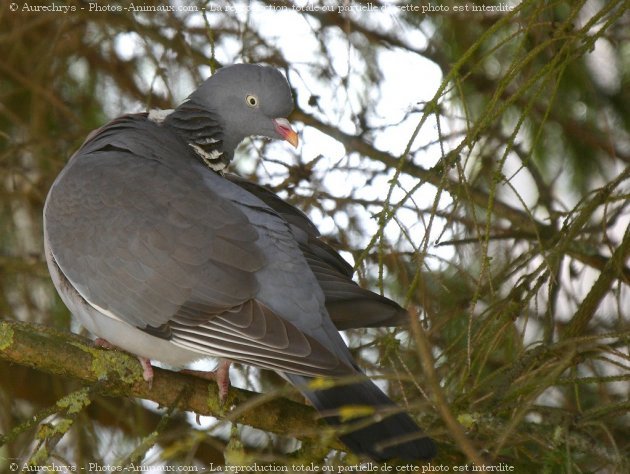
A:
[283,127]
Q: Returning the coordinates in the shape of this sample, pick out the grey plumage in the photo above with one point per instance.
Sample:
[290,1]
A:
[170,260]
[348,305]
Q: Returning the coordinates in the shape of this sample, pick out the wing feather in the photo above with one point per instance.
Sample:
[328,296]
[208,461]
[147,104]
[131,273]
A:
[348,305]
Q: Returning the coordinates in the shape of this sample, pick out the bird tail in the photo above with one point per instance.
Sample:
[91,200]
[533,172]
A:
[371,423]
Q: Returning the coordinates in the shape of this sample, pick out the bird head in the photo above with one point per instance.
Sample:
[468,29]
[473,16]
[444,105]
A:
[249,100]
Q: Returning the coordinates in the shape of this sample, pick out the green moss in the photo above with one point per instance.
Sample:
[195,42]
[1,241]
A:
[6,336]
[468,420]
[107,362]
[234,452]
[214,402]
[63,425]
[75,402]
[39,458]
[47,430]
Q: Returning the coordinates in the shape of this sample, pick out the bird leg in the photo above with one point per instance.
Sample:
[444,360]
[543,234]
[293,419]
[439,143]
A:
[221,375]
[147,368]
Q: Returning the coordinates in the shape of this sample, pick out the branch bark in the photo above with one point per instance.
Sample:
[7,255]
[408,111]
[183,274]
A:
[120,375]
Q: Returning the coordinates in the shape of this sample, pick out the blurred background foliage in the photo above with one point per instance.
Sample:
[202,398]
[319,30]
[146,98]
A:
[492,201]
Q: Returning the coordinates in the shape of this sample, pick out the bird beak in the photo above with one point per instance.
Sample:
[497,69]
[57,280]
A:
[283,127]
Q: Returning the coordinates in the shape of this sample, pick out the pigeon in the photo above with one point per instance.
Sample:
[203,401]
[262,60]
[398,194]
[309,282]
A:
[158,251]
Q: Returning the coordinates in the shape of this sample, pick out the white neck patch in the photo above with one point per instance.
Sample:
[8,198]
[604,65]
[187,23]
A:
[211,159]
[158,116]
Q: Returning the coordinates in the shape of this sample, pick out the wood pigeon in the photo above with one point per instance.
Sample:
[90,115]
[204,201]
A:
[159,252]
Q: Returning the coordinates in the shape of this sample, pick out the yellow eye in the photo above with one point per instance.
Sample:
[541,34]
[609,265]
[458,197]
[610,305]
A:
[252,100]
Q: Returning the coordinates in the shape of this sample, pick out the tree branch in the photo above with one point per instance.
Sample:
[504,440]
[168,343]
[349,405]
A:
[600,288]
[519,219]
[522,222]
[120,375]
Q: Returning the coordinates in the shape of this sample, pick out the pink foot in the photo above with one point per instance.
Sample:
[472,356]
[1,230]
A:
[221,375]
[147,368]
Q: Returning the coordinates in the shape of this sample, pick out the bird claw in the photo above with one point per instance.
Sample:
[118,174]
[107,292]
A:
[221,375]
[147,370]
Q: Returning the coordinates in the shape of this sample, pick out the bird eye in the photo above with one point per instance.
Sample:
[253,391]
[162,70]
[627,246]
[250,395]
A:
[252,100]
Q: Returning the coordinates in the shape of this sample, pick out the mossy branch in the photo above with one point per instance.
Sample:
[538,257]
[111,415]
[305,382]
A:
[600,289]
[119,374]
